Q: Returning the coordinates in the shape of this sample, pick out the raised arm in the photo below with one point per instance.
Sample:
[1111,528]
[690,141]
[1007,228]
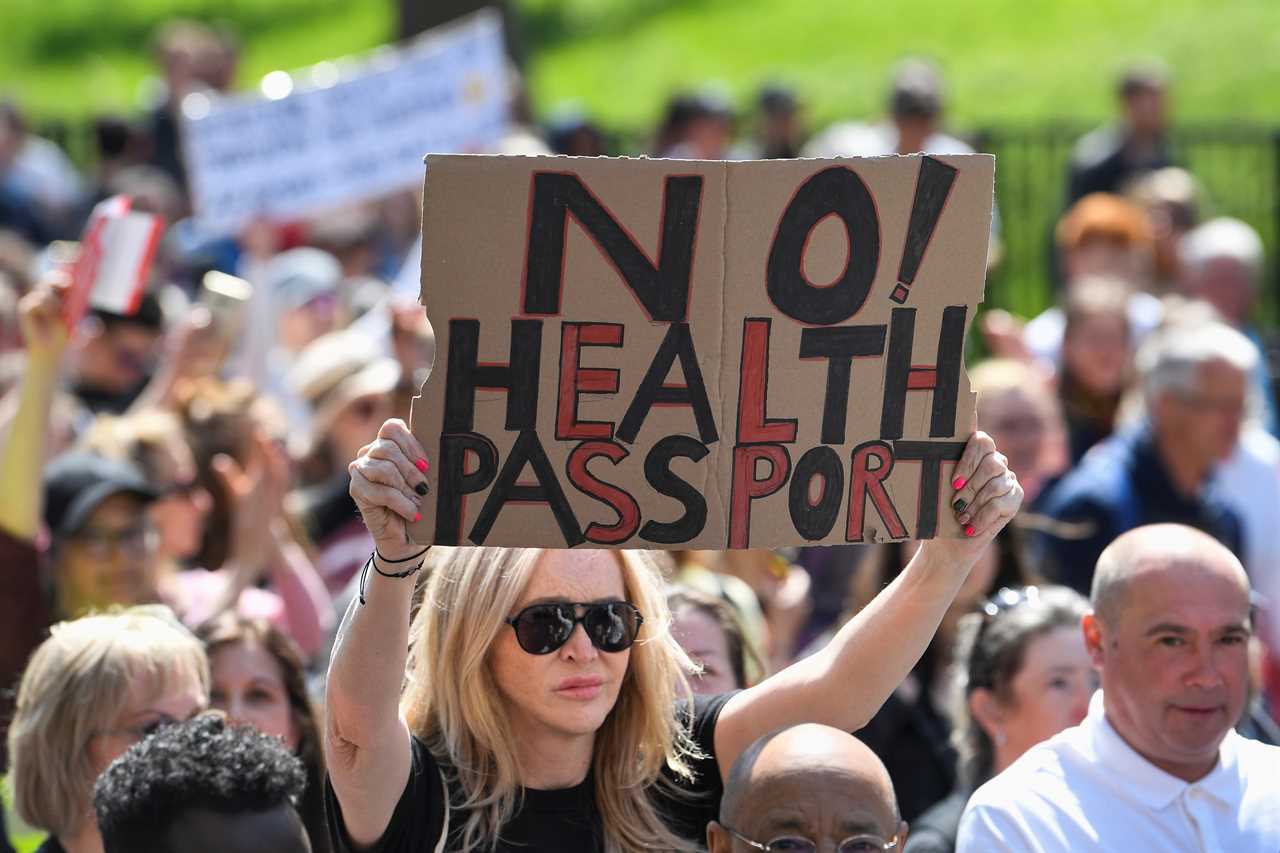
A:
[24,445]
[308,608]
[262,545]
[192,349]
[366,741]
[845,683]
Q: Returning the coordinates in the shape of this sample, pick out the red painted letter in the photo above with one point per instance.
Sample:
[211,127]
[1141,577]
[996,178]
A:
[747,488]
[615,498]
[753,390]
[575,379]
[865,480]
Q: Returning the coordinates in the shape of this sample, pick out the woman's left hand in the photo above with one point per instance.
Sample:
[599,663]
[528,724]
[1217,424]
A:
[984,496]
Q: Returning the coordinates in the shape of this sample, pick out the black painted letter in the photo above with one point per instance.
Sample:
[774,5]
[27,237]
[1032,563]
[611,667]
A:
[942,378]
[466,373]
[662,290]
[677,344]
[657,470]
[835,191]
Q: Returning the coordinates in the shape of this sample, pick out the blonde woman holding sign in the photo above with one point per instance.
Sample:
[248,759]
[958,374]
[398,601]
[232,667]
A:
[541,710]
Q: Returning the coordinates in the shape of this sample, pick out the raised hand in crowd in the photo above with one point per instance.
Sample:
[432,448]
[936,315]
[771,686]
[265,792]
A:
[194,348]
[263,546]
[255,502]
[24,445]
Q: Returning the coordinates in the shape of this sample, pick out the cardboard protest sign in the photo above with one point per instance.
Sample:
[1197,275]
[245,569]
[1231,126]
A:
[347,131]
[669,354]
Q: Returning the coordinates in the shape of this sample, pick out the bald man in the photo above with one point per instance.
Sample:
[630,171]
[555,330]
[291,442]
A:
[1156,764]
[807,788]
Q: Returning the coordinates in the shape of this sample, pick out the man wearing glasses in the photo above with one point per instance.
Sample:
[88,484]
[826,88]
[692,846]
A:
[1155,765]
[805,789]
[1195,380]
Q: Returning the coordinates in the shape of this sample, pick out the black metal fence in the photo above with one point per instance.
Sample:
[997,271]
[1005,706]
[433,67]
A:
[1237,164]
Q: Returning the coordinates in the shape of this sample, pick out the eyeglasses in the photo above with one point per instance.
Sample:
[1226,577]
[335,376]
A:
[103,544]
[797,844]
[1208,404]
[611,626]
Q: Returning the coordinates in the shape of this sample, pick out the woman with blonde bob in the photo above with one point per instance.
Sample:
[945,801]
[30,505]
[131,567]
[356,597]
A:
[505,727]
[95,687]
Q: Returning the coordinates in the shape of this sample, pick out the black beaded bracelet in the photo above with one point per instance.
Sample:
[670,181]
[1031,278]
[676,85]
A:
[364,571]
[377,554]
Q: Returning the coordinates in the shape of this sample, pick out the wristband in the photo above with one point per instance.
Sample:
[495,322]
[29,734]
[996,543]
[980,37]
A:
[377,554]
[364,571]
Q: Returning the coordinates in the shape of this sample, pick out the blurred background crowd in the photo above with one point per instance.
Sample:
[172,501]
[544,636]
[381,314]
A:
[181,456]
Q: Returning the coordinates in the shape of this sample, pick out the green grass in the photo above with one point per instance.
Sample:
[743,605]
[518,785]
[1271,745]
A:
[1010,60]
[23,838]
[28,843]
[67,59]
[1005,59]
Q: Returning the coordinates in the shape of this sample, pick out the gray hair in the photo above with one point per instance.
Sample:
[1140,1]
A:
[1223,238]
[1169,362]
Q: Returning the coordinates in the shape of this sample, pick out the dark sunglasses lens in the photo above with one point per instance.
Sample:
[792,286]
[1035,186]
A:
[542,629]
[612,627]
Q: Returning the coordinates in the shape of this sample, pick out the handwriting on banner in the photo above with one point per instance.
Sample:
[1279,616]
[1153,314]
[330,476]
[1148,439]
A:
[642,353]
[359,132]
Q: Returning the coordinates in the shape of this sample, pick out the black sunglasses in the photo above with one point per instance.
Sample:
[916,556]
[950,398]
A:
[611,626]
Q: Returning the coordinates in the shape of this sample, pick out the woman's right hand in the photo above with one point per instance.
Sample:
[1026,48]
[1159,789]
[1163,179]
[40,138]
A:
[388,481]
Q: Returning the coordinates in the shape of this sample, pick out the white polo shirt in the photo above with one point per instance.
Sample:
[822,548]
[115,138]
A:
[1086,789]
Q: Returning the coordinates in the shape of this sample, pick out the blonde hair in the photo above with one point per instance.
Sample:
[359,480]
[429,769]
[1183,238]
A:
[452,703]
[75,684]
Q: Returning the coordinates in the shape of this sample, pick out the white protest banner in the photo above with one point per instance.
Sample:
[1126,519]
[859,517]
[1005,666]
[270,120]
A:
[352,131]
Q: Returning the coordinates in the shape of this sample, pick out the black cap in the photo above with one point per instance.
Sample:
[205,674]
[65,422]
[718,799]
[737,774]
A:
[150,314]
[76,484]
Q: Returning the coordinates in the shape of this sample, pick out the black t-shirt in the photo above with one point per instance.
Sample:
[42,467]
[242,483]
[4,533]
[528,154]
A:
[548,820]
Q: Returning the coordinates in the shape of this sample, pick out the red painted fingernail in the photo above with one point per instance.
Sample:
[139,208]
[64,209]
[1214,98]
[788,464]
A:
[969,531]
[423,465]
[417,516]
[958,483]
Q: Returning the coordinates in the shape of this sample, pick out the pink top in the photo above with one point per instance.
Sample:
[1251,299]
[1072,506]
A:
[198,591]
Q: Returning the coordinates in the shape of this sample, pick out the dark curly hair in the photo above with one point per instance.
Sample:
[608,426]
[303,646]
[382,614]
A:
[203,763]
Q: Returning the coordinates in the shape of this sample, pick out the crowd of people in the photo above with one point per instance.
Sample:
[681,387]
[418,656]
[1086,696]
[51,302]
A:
[201,511]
